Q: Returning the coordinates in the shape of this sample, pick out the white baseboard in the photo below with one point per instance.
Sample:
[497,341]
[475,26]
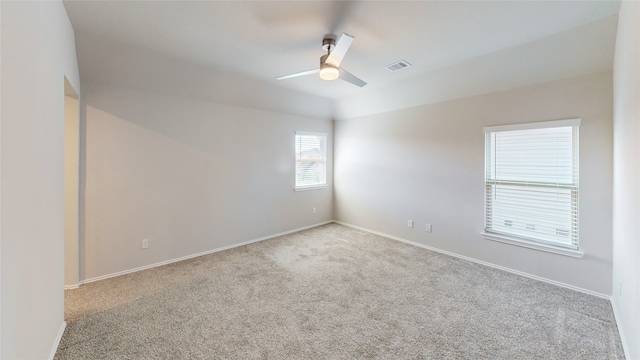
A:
[124,272]
[513,271]
[623,339]
[56,343]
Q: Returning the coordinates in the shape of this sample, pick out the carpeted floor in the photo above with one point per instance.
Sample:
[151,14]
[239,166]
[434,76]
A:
[333,292]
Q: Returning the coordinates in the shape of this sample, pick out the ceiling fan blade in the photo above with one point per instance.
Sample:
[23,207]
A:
[341,48]
[302,73]
[347,76]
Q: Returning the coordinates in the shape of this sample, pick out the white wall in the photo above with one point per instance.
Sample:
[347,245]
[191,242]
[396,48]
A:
[426,164]
[188,175]
[626,178]
[38,51]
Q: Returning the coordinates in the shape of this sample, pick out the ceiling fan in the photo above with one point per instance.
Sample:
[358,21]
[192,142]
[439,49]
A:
[330,62]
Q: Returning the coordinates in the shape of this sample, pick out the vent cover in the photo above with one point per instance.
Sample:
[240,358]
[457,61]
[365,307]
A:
[398,65]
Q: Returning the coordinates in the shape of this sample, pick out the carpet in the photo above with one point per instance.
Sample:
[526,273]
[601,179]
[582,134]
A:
[333,292]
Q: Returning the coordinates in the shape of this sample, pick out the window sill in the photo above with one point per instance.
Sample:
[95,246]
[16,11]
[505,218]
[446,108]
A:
[523,243]
[314,187]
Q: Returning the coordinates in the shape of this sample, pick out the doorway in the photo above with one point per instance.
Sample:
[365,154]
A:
[71,187]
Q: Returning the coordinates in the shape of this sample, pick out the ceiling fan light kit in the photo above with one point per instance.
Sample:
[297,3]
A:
[330,63]
[328,71]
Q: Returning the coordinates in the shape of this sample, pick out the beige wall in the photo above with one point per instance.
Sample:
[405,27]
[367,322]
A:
[171,170]
[626,184]
[426,164]
[38,52]
[71,189]
[189,175]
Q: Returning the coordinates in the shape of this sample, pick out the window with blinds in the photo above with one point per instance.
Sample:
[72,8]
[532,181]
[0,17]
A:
[531,182]
[311,165]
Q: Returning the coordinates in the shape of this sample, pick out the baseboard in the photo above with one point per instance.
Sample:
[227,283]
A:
[171,261]
[56,343]
[623,339]
[513,271]
[71,287]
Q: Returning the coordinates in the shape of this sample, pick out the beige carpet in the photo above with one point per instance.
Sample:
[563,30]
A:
[333,292]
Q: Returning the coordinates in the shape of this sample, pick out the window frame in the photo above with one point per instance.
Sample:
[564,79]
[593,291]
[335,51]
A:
[319,185]
[572,249]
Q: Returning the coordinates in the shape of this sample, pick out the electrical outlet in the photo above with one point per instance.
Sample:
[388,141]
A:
[145,243]
[313,211]
[410,223]
[427,227]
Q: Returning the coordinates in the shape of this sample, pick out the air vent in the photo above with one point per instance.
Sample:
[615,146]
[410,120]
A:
[398,65]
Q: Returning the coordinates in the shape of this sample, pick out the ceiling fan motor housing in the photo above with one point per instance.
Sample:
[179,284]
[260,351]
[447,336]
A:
[330,62]
[328,44]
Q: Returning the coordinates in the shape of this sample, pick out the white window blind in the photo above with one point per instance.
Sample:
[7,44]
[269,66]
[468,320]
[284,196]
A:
[311,165]
[531,182]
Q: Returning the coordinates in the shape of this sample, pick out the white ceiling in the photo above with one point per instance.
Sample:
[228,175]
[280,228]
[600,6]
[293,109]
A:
[260,40]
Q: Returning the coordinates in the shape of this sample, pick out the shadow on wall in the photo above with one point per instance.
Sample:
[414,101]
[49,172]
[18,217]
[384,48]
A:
[189,176]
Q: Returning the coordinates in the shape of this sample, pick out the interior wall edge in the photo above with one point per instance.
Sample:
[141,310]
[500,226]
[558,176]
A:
[623,339]
[38,53]
[339,118]
[626,178]
[56,342]
[91,84]
[501,71]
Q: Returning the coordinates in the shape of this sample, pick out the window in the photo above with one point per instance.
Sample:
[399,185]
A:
[311,165]
[531,183]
